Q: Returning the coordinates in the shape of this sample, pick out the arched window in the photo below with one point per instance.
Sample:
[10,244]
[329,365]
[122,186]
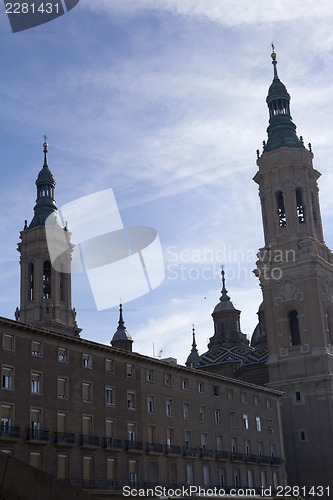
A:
[47,280]
[329,323]
[281,209]
[295,337]
[31,282]
[299,206]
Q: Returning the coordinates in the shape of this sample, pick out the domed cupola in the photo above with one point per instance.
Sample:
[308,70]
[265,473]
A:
[45,202]
[281,130]
[226,318]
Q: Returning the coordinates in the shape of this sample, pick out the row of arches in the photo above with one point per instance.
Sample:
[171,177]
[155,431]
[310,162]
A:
[281,210]
[47,274]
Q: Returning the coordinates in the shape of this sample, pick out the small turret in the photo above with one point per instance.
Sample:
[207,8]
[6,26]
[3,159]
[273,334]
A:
[121,338]
[194,355]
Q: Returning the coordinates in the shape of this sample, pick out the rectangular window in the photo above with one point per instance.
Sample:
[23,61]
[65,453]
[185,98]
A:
[35,459]
[109,365]
[149,375]
[62,355]
[234,445]
[243,397]
[87,392]
[202,413]
[62,387]
[62,466]
[130,370]
[270,425]
[110,427]
[62,422]
[7,377]
[268,403]
[8,342]
[109,396]
[245,421]
[168,407]
[216,390]
[87,425]
[130,400]
[258,424]
[86,360]
[133,472]
[152,434]
[250,478]
[232,419]
[185,384]
[219,442]
[203,440]
[36,379]
[150,404]
[217,416]
[256,401]
[131,431]
[167,379]
[201,387]
[187,439]
[87,469]
[298,396]
[230,394]
[186,411]
[111,476]
[189,475]
[206,475]
[7,411]
[36,348]
[35,418]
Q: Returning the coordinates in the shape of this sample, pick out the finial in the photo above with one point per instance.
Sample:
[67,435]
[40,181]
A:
[194,344]
[224,291]
[45,150]
[121,320]
[274,61]
[310,147]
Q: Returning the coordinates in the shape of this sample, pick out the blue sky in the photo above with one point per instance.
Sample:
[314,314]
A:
[164,102]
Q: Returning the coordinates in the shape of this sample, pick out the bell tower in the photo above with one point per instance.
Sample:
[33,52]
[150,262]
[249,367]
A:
[295,269]
[45,295]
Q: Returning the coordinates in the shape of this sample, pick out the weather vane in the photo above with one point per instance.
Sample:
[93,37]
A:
[45,138]
[273,48]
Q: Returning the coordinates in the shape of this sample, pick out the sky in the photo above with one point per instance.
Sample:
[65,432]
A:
[164,102]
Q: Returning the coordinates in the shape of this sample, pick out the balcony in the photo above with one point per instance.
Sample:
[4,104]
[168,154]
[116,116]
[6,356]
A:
[64,438]
[113,443]
[276,461]
[222,455]
[89,441]
[37,436]
[190,452]
[171,449]
[263,460]
[154,448]
[134,445]
[204,453]
[251,458]
[10,432]
[237,457]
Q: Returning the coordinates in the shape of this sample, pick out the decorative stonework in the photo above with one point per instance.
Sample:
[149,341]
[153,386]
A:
[327,291]
[307,247]
[287,289]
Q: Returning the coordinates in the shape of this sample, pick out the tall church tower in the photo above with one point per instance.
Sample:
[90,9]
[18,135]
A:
[295,269]
[45,298]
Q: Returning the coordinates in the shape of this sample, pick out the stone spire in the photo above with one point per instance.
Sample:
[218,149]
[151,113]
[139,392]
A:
[45,202]
[194,355]
[281,130]
[121,338]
